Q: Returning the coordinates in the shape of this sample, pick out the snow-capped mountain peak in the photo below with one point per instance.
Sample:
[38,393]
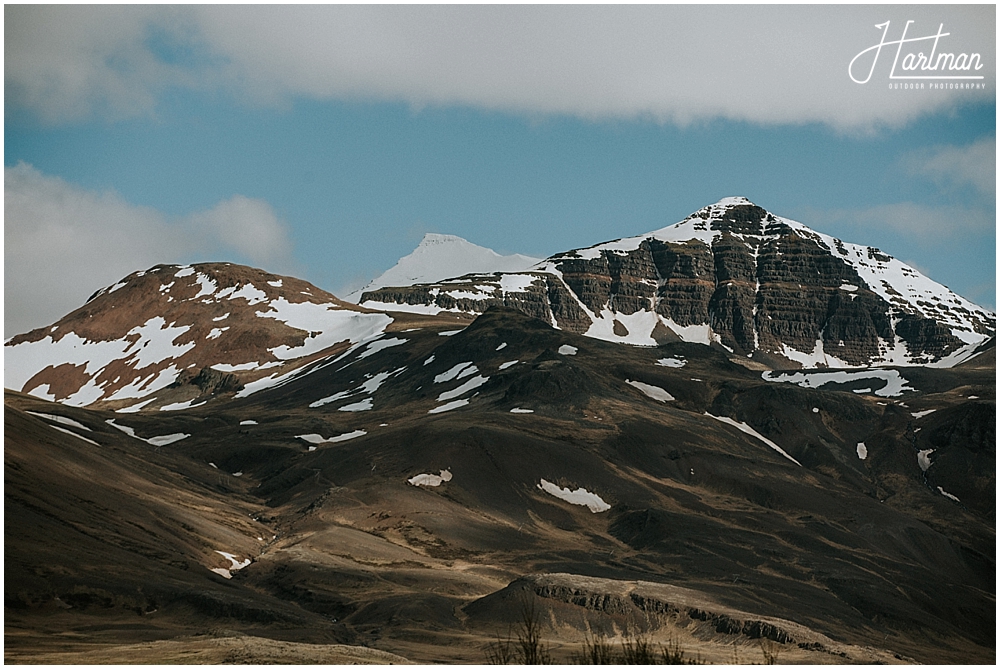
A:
[736,275]
[441,256]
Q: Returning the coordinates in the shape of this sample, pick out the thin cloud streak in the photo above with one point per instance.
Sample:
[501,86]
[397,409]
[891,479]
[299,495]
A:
[958,166]
[928,225]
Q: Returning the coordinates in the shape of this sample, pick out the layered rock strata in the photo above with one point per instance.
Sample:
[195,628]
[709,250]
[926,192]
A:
[736,275]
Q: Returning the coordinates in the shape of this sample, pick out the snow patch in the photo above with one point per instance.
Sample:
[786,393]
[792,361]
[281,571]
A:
[248,292]
[921,414]
[332,324]
[242,367]
[381,345]
[743,427]
[153,441]
[235,565]
[507,365]
[63,420]
[166,439]
[653,392]
[520,410]
[814,358]
[78,436]
[676,363]
[363,405]
[516,283]
[472,383]
[895,383]
[207,286]
[924,459]
[319,439]
[177,406]
[501,346]
[453,373]
[580,496]
[449,406]
[432,480]
[248,422]
[135,407]
[948,494]
[566,349]
[862,451]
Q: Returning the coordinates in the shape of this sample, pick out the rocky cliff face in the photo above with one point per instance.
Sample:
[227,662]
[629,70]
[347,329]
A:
[736,275]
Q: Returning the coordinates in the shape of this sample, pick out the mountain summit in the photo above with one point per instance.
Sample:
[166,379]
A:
[439,257]
[734,275]
[182,331]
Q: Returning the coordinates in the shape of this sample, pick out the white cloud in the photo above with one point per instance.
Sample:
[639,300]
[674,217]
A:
[63,242]
[927,225]
[958,166]
[66,62]
[247,225]
[762,64]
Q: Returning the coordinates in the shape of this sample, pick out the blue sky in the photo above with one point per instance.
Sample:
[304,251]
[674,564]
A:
[203,135]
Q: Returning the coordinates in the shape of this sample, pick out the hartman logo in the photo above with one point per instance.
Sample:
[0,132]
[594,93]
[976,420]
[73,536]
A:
[917,59]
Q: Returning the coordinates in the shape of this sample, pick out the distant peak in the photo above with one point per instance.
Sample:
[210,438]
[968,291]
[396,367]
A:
[434,238]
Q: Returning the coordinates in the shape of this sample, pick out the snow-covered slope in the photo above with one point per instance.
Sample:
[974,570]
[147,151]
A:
[732,274]
[440,257]
[181,325]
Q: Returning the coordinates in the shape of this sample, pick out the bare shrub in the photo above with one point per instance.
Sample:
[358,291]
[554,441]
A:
[770,651]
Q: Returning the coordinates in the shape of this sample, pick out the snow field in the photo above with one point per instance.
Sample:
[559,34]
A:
[895,383]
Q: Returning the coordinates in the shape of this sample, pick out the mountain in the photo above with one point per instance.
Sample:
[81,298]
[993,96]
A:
[211,463]
[172,336]
[761,286]
[417,493]
[440,257]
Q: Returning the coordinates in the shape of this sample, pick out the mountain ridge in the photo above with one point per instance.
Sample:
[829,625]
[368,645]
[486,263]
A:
[736,275]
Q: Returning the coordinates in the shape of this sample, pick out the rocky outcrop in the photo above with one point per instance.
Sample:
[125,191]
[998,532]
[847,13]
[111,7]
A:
[637,605]
[734,274]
